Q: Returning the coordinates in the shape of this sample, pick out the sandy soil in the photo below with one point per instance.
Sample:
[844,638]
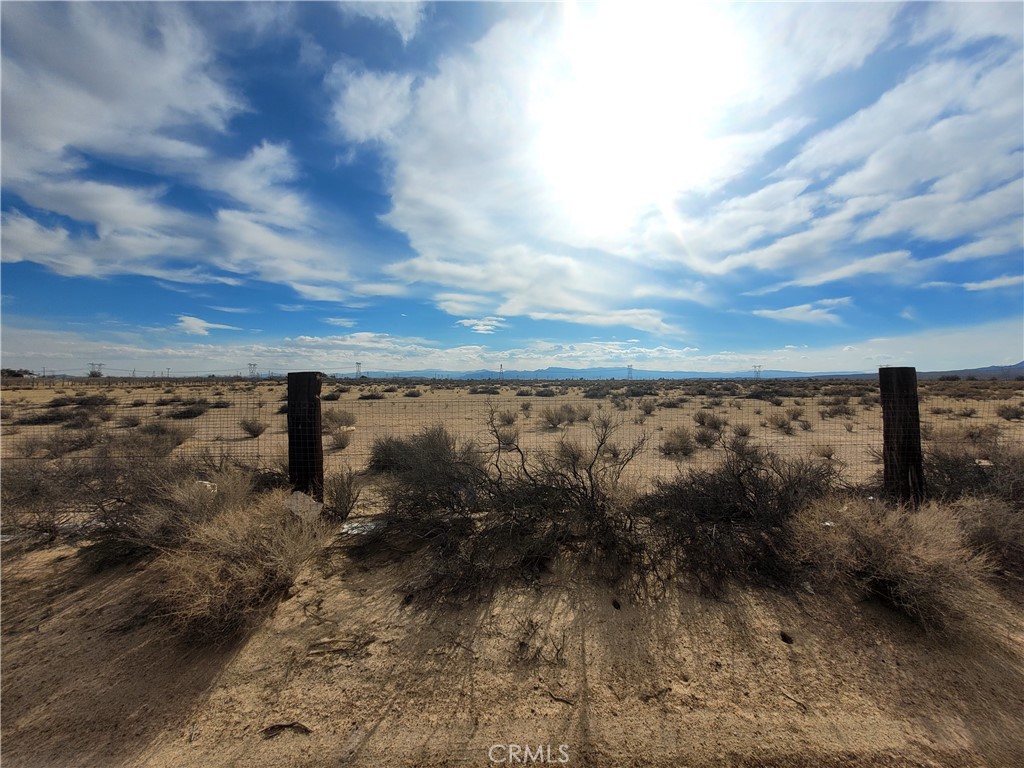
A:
[364,677]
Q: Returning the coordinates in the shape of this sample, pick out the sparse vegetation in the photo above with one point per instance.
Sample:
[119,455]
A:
[233,565]
[253,427]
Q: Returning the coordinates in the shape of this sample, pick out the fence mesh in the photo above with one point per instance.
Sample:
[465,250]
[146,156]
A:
[683,423]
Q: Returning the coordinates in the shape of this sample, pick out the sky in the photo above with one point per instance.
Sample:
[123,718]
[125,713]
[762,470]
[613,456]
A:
[462,186]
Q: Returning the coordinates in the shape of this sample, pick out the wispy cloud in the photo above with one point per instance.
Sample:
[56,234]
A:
[343,322]
[818,312]
[1006,281]
[483,324]
[404,17]
[195,326]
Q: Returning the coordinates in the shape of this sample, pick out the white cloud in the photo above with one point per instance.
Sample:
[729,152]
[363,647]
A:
[996,343]
[943,217]
[79,93]
[460,303]
[897,265]
[259,181]
[962,23]
[818,312]
[1006,281]
[1004,240]
[369,106]
[405,17]
[640,319]
[343,322]
[252,247]
[194,326]
[484,324]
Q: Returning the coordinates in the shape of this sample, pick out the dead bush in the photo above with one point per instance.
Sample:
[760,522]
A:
[331,419]
[1010,412]
[916,561]
[995,527]
[341,437]
[232,566]
[341,492]
[474,525]
[432,471]
[710,420]
[253,427]
[729,523]
[678,442]
[781,422]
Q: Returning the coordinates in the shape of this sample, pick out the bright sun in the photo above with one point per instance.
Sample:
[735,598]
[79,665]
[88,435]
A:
[627,107]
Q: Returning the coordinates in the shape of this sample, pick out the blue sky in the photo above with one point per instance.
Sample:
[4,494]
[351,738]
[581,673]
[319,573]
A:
[814,187]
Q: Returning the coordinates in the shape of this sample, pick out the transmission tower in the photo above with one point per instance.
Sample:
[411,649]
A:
[359,369]
[252,370]
[757,371]
[501,370]
[629,372]
[96,369]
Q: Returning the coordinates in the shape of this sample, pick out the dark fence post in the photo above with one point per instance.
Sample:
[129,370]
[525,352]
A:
[305,443]
[901,434]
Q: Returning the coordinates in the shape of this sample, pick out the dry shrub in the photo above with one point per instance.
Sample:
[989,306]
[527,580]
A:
[781,422]
[232,566]
[432,471]
[188,501]
[253,427]
[341,437]
[710,420]
[729,523]
[190,409]
[472,525]
[916,561]
[334,418]
[566,413]
[706,437]
[1010,412]
[994,527]
[678,442]
[341,492]
[972,462]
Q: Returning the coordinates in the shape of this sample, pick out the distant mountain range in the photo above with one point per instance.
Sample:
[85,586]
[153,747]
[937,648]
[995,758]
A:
[620,373]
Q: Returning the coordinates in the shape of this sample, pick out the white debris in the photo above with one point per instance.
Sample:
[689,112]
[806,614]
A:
[303,506]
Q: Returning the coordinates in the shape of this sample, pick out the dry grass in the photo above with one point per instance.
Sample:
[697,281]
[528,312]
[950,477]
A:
[233,565]
[341,492]
[920,561]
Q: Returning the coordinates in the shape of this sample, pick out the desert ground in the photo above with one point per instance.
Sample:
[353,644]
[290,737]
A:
[352,661]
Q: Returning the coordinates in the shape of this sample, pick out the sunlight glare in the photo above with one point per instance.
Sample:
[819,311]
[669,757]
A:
[627,118]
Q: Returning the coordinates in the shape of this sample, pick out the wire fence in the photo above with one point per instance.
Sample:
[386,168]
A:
[679,423]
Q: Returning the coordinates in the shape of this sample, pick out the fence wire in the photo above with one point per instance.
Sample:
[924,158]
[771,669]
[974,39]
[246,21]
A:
[681,423]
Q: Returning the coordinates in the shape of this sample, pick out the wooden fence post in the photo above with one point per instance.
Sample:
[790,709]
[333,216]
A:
[901,434]
[305,442]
